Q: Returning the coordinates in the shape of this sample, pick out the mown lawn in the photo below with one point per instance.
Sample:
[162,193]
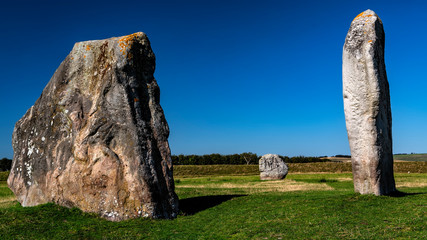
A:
[303,206]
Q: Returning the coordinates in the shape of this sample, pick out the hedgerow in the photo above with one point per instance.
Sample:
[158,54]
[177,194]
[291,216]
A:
[234,159]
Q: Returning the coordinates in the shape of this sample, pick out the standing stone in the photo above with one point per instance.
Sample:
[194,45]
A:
[367,106]
[97,138]
[272,167]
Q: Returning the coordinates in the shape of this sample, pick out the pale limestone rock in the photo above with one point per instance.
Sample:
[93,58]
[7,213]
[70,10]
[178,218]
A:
[367,106]
[272,167]
[96,138]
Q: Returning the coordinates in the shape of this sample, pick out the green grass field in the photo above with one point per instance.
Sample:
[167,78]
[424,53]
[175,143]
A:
[422,157]
[240,206]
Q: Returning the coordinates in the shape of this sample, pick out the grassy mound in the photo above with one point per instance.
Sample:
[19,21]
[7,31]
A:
[319,167]
[411,157]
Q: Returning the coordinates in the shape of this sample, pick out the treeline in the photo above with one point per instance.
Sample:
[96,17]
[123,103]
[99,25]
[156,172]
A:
[412,153]
[215,159]
[5,164]
[302,159]
[247,158]
[343,156]
[234,159]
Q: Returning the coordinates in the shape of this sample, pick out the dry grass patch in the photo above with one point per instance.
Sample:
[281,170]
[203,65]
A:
[413,180]
[344,179]
[411,184]
[265,186]
[7,202]
[7,199]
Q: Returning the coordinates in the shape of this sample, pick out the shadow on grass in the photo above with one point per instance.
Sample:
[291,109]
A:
[191,206]
[398,193]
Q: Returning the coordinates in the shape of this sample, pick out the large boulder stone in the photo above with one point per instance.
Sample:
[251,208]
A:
[367,106]
[272,167]
[97,138]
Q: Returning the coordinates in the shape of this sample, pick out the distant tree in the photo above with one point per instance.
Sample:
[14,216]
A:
[250,158]
[5,164]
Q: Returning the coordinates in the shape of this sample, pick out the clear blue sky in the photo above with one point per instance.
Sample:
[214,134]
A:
[235,76]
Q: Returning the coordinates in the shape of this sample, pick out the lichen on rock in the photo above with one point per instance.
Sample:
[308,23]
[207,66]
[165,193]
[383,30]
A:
[97,137]
[367,106]
[272,167]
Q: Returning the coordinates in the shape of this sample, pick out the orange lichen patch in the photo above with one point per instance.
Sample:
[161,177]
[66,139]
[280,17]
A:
[358,16]
[362,14]
[136,100]
[126,41]
[87,47]
[84,56]
[369,41]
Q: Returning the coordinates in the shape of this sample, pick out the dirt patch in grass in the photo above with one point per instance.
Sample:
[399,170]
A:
[266,186]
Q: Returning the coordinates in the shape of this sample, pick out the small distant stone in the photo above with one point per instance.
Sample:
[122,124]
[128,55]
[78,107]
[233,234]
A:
[272,167]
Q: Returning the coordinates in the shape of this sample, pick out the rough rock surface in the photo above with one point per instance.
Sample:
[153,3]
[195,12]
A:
[96,138]
[367,106]
[272,167]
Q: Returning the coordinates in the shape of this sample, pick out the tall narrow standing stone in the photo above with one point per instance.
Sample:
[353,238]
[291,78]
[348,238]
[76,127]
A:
[96,138]
[367,106]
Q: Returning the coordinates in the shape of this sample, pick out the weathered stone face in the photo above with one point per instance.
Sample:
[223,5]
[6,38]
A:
[367,106]
[272,167]
[96,138]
